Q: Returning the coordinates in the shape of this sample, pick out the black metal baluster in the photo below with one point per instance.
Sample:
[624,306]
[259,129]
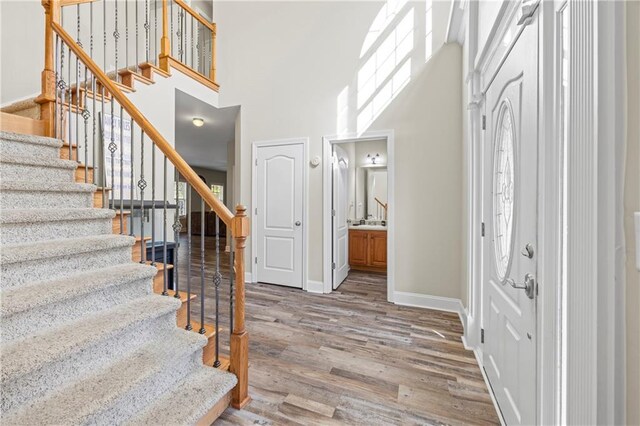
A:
[112,149]
[126,34]
[131,183]
[93,94]
[176,235]
[62,86]
[202,329]
[79,43]
[188,326]
[171,13]
[85,116]
[57,82]
[146,28]
[142,184]
[121,169]
[192,42]
[217,279]
[232,274]
[137,36]
[104,39]
[116,37]
[69,101]
[164,232]
[198,47]
[153,205]
[155,44]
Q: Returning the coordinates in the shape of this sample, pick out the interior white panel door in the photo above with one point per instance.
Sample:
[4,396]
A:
[509,245]
[279,214]
[340,249]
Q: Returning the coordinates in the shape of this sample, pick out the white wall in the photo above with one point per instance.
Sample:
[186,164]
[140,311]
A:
[287,64]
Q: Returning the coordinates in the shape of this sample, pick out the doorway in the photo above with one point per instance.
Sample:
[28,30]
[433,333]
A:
[358,208]
[279,215]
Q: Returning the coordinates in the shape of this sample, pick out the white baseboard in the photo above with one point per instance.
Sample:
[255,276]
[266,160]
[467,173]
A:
[247,277]
[315,286]
[447,304]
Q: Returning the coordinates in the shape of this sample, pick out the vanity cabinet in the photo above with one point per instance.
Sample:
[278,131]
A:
[368,250]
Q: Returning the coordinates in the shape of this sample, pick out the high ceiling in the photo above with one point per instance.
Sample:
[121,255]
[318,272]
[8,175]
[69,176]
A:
[204,146]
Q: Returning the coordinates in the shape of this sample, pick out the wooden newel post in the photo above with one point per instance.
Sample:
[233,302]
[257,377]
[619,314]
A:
[47,98]
[239,337]
[165,41]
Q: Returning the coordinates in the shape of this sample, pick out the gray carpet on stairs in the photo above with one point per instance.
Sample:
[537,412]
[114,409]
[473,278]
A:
[83,339]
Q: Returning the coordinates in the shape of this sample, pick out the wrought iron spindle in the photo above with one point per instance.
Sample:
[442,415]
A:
[104,39]
[121,169]
[93,93]
[153,205]
[112,149]
[77,76]
[217,279]
[188,326]
[116,37]
[62,87]
[131,183]
[179,34]
[198,47]
[85,116]
[142,184]
[192,41]
[176,235]
[232,274]
[164,231]
[171,32]
[69,101]
[126,34]
[137,35]
[155,44]
[57,81]
[202,329]
[146,28]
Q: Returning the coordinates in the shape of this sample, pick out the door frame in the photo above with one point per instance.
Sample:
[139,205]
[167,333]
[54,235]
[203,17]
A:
[597,381]
[327,233]
[304,141]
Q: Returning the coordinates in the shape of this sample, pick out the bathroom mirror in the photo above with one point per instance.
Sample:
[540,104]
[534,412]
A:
[376,193]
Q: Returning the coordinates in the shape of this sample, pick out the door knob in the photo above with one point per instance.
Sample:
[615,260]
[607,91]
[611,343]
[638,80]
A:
[529,285]
[298,223]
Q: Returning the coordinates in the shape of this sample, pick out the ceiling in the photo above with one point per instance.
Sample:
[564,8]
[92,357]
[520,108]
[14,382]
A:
[204,146]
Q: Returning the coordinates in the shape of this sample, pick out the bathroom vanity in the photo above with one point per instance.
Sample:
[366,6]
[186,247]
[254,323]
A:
[368,248]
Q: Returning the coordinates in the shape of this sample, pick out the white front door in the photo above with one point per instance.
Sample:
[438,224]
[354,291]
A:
[510,218]
[340,213]
[280,191]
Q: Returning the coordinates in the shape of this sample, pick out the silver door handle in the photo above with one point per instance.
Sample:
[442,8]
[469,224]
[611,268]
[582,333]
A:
[298,223]
[529,285]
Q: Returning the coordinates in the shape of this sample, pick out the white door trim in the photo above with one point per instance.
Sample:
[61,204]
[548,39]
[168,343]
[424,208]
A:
[327,141]
[304,141]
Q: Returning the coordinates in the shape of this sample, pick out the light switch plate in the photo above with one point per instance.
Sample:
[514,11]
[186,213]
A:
[637,222]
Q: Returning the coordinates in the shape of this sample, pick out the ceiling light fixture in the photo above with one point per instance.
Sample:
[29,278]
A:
[198,122]
[373,160]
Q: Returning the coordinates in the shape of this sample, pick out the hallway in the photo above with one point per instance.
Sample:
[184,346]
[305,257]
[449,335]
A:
[349,357]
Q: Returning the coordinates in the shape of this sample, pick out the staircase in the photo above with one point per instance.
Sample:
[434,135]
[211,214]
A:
[91,330]
[84,337]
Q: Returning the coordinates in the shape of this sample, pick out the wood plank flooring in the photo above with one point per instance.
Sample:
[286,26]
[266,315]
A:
[348,357]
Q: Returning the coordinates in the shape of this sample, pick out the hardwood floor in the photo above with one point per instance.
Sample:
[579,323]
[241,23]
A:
[349,357]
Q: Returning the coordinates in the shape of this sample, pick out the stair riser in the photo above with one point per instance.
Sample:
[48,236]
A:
[21,172]
[64,153]
[53,314]
[80,172]
[146,391]
[86,360]
[21,233]
[16,274]
[9,147]
[115,225]
[45,199]
[137,254]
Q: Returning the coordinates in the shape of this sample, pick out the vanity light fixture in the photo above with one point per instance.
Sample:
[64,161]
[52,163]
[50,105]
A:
[373,160]
[198,122]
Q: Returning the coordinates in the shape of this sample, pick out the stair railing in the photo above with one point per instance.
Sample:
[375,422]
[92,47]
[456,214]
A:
[108,135]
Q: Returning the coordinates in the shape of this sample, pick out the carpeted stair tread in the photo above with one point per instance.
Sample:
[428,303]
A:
[120,389]
[191,400]
[59,248]
[32,296]
[31,139]
[38,161]
[54,215]
[52,345]
[46,186]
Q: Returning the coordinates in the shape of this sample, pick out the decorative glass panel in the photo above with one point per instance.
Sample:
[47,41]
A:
[503,190]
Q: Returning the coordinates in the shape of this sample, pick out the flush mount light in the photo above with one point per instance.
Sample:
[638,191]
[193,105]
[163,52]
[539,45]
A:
[198,122]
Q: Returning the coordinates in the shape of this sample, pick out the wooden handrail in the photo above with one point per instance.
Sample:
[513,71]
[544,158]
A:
[193,13]
[172,155]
